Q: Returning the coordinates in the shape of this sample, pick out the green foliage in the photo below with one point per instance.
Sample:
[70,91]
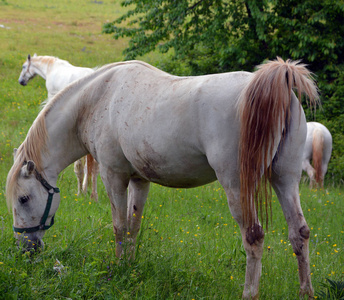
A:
[239,34]
[334,290]
[215,36]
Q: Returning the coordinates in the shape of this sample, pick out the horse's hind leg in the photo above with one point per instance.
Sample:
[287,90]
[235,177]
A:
[252,238]
[138,192]
[95,172]
[87,168]
[310,172]
[79,172]
[253,241]
[287,191]
[285,181]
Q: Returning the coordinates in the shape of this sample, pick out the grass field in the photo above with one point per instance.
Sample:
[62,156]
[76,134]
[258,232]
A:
[189,246]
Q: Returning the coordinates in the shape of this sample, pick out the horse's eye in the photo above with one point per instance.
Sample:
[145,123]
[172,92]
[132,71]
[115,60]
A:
[24,67]
[24,199]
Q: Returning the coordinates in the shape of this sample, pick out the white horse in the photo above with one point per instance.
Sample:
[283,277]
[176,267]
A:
[318,148]
[57,74]
[144,125]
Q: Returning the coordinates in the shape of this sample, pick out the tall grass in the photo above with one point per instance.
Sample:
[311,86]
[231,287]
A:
[189,246]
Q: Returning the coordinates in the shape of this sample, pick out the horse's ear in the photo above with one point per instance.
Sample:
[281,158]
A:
[14,153]
[28,168]
[35,55]
[29,57]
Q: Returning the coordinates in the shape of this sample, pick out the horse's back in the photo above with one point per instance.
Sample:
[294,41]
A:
[64,74]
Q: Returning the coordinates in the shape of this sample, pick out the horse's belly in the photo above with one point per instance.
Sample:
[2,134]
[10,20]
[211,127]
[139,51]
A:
[185,181]
[181,174]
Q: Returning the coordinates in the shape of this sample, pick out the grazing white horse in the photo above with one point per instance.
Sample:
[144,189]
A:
[144,125]
[58,74]
[318,148]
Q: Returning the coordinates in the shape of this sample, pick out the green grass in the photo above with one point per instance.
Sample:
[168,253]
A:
[189,246]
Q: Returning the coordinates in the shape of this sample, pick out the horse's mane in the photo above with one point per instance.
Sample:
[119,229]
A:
[49,60]
[31,149]
[46,59]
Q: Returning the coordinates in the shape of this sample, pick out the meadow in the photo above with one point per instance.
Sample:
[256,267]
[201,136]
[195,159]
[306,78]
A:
[189,246]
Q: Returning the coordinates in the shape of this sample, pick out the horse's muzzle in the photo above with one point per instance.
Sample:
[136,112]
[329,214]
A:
[22,82]
[29,242]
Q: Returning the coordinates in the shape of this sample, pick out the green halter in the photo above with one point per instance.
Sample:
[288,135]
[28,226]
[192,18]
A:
[51,191]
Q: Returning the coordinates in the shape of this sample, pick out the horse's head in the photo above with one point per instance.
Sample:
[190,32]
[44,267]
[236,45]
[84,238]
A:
[27,72]
[34,203]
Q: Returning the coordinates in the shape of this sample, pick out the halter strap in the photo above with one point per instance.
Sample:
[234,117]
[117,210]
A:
[51,191]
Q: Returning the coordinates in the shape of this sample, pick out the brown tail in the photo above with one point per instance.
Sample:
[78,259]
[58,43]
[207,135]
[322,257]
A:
[318,147]
[264,111]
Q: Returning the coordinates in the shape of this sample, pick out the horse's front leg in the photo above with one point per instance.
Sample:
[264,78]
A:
[116,185]
[138,192]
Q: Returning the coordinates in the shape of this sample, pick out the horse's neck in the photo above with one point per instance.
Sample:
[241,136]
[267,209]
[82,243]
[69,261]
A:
[70,111]
[64,146]
[40,69]
[43,66]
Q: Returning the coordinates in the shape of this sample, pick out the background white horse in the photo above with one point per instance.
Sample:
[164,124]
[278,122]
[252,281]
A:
[144,125]
[58,74]
[318,148]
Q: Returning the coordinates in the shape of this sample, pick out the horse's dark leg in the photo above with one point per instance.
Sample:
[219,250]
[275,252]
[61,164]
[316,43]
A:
[138,192]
